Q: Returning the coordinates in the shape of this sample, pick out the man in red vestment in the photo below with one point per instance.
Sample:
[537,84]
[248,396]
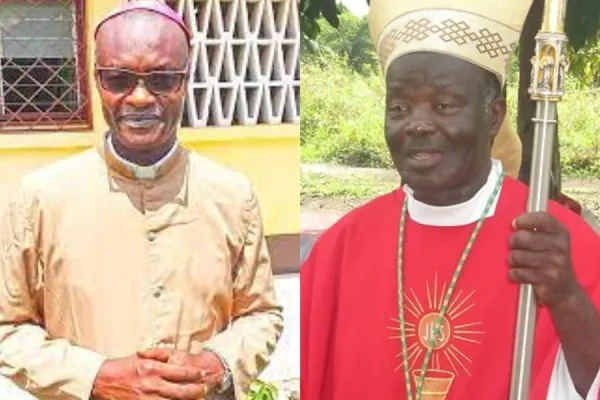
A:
[414,295]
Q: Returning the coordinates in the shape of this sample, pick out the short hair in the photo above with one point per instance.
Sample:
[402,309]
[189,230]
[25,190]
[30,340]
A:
[151,18]
[490,91]
[491,87]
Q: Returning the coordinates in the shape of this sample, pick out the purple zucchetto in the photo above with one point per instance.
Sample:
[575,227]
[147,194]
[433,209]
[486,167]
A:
[151,5]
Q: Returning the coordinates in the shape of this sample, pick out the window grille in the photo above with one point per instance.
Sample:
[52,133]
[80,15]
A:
[43,76]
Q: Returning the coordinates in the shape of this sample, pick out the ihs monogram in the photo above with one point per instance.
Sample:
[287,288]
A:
[448,359]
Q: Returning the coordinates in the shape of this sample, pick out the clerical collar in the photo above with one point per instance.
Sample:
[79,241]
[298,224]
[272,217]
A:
[458,214]
[140,172]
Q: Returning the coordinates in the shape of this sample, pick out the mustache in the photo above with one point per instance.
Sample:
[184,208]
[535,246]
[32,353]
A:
[149,114]
[411,146]
[421,149]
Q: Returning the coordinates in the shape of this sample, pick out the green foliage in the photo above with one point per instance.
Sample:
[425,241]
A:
[342,115]
[584,65]
[260,390]
[350,187]
[351,41]
[342,119]
[312,10]
[579,126]
[582,19]
[582,27]
[342,104]
[582,23]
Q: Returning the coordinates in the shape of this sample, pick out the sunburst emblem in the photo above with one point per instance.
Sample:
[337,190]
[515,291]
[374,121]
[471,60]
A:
[448,360]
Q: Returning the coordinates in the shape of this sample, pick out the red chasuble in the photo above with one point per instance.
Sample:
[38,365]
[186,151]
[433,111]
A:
[350,345]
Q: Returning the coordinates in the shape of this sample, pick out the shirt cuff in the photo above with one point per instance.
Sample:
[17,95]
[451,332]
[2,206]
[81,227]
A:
[9,390]
[562,386]
[86,365]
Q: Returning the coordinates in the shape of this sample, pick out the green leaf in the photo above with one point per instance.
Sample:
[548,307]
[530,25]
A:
[260,390]
[330,12]
[312,10]
[582,23]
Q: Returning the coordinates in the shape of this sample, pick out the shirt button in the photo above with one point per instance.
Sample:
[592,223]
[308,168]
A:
[151,236]
[158,292]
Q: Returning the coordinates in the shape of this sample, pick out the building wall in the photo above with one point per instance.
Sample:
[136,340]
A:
[269,155]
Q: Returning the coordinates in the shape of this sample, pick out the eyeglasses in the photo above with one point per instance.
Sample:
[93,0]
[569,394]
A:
[122,81]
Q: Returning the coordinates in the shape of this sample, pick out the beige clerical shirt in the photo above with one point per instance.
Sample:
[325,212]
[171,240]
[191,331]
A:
[97,264]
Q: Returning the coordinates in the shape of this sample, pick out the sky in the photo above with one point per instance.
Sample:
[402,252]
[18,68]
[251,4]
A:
[357,7]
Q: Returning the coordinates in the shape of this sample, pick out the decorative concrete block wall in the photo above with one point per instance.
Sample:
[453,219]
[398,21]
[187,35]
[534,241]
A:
[245,62]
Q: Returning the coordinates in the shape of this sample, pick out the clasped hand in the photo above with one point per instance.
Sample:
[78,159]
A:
[541,256]
[159,374]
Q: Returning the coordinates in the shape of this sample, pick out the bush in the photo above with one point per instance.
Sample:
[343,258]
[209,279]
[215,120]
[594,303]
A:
[342,119]
[342,115]
[578,130]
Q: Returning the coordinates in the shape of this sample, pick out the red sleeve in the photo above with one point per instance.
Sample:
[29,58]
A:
[317,319]
[569,203]
[595,296]
[585,251]
[585,256]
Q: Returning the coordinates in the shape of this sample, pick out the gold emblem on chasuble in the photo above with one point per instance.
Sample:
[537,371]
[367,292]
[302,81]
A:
[450,355]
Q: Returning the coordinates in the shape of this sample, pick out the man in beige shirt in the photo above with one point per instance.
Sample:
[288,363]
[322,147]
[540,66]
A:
[136,270]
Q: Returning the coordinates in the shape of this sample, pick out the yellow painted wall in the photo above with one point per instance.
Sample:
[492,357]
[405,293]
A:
[268,155]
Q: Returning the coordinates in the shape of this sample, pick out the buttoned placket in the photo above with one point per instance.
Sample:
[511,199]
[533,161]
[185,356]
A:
[156,289]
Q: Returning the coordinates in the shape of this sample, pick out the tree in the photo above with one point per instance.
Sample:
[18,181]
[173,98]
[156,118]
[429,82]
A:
[350,40]
[582,25]
[312,10]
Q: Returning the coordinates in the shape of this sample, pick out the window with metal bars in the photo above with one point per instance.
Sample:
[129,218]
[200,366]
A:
[43,76]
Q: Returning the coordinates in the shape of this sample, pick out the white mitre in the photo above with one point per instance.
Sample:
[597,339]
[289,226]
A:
[482,32]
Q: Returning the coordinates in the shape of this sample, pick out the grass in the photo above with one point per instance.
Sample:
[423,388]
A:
[354,189]
[342,121]
[350,187]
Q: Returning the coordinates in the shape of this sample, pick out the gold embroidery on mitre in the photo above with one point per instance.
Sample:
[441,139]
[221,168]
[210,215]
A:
[472,37]
[460,33]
